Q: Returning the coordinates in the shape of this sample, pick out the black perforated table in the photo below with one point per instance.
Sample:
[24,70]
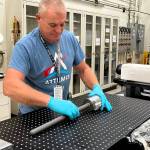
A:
[93,130]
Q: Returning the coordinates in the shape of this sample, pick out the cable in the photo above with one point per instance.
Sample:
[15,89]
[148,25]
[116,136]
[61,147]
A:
[117,6]
[106,3]
[140,12]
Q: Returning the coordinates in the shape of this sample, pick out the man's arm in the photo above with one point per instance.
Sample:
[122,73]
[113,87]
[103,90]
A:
[86,74]
[15,87]
[91,81]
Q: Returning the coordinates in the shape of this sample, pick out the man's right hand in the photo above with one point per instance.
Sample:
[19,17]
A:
[64,107]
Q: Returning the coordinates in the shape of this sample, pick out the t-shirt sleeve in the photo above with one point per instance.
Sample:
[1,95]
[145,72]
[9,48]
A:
[20,59]
[79,55]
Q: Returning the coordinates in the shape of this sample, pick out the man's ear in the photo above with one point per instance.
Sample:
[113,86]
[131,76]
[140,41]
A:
[38,17]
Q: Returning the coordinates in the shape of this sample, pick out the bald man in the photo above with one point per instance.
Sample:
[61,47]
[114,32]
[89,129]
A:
[39,70]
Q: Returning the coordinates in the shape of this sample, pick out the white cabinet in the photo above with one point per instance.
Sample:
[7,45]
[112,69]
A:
[110,50]
[30,17]
[5,112]
[98,37]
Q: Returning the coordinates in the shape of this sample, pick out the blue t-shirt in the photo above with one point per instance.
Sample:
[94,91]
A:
[31,58]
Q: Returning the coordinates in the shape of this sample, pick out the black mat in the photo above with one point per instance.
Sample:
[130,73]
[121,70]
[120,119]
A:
[93,130]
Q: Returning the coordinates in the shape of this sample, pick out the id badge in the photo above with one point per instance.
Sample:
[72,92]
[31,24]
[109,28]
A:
[58,92]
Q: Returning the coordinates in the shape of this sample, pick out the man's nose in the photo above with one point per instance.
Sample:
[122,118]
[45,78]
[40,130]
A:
[58,29]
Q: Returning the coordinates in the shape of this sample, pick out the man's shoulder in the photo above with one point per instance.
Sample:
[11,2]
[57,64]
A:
[68,36]
[29,38]
[67,33]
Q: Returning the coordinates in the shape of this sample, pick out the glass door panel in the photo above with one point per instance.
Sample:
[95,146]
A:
[77,26]
[107,50]
[98,47]
[88,46]
[67,22]
[77,32]
[114,48]
[31,12]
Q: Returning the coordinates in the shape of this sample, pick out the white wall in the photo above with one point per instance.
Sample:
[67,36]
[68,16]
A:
[8,9]
[2,17]
[13,8]
[3,31]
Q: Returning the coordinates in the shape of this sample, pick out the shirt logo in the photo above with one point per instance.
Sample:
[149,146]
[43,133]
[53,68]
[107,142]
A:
[51,75]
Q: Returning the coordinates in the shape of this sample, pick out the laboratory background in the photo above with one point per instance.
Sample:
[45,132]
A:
[115,38]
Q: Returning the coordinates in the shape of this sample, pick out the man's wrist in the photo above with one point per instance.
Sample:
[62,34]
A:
[95,85]
[51,98]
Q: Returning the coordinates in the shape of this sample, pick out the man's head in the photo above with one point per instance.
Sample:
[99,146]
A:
[51,19]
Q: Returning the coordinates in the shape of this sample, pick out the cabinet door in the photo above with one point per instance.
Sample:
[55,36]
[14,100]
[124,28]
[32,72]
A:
[98,47]
[74,23]
[114,49]
[89,39]
[89,45]
[107,50]
[77,32]
[67,22]
[31,12]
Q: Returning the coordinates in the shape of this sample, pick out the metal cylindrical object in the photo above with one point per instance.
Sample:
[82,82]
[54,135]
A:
[93,102]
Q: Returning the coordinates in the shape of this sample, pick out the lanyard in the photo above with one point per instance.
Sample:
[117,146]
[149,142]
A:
[55,63]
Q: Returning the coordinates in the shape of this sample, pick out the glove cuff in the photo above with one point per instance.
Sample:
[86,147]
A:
[50,101]
[96,85]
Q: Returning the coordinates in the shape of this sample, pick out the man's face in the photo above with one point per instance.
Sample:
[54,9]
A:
[51,24]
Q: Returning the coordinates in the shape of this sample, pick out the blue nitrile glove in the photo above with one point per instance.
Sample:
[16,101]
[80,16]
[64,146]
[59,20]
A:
[64,107]
[99,92]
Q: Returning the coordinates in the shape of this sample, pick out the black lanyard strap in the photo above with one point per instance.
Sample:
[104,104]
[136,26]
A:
[50,55]
[48,50]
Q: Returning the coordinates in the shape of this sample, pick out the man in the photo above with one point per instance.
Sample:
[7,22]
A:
[39,71]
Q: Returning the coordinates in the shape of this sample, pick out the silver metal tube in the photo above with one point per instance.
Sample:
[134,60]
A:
[55,121]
